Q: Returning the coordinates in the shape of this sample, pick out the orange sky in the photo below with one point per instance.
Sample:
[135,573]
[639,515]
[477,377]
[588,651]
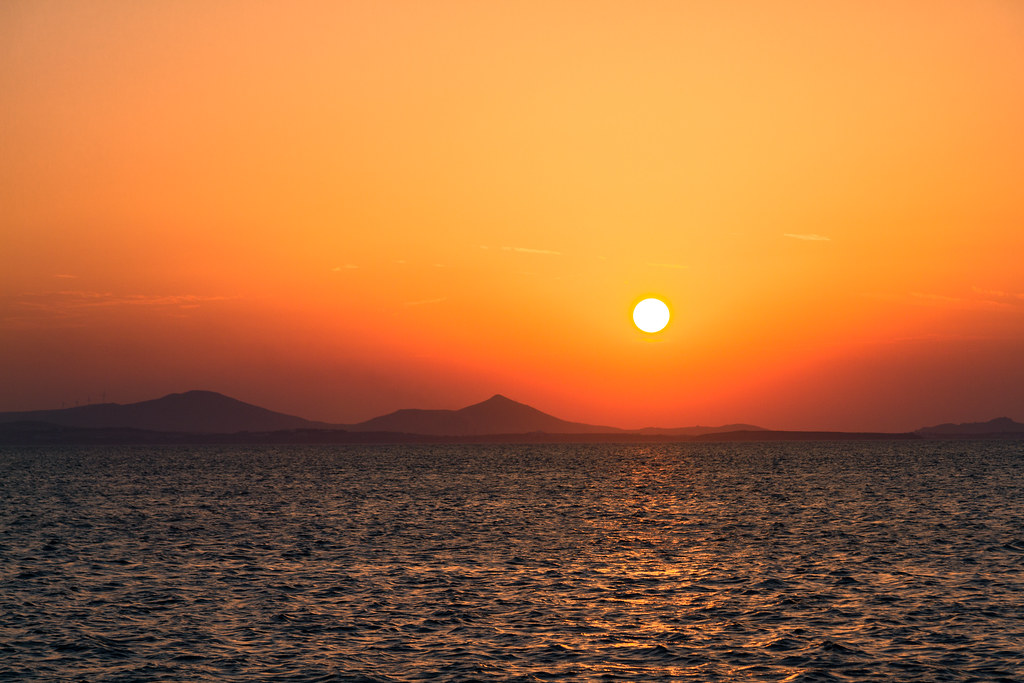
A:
[340,209]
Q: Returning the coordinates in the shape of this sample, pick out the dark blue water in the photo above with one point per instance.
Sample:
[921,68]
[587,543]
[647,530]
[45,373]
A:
[782,561]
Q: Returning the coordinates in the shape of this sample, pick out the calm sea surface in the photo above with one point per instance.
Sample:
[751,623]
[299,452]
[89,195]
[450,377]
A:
[782,561]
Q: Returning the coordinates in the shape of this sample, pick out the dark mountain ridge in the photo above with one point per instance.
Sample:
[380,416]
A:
[198,413]
[698,430]
[208,412]
[191,411]
[496,415]
[1000,425]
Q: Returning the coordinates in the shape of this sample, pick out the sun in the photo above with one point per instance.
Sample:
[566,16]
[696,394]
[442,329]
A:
[651,315]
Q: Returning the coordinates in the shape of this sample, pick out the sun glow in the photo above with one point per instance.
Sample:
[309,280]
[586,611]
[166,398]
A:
[342,209]
[651,315]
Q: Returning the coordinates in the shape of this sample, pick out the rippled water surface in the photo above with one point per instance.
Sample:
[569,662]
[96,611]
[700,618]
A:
[782,561]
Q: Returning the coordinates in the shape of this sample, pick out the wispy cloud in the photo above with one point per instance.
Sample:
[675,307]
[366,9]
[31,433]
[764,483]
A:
[525,250]
[77,300]
[65,276]
[967,303]
[675,266]
[999,296]
[423,302]
[807,237]
[347,266]
[931,338]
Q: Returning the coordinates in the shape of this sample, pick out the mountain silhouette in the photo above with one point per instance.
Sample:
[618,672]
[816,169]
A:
[1000,425]
[496,415]
[192,411]
[207,412]
[192,416]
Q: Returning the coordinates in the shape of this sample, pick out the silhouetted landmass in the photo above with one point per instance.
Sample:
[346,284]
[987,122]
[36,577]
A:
[213,413]
[43,434]
[206,417]
[772,435]
[698,430]
[192,411]
[496,415]
[29,433]
[999,427]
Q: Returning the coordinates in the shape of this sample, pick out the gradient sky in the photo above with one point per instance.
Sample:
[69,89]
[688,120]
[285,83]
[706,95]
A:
[340,209]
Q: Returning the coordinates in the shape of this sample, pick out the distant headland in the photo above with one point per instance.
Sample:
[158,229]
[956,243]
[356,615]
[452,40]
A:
[195,417]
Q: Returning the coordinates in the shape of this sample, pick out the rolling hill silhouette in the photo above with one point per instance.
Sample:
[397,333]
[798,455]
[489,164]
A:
[192,411]
[208,412]
[496,415]
[1000,425]
[698,430]
[211,413]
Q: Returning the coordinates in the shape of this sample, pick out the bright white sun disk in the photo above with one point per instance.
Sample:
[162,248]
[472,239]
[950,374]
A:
[651,315]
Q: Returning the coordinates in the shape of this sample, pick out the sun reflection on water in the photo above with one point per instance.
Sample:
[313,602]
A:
[571,562]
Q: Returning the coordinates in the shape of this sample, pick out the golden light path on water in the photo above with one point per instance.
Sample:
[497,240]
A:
[691,561]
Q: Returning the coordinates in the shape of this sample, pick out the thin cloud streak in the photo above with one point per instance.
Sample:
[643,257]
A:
[525,250]
[960,302]
[66,301]
[32,310]
[807,237]
[999,296]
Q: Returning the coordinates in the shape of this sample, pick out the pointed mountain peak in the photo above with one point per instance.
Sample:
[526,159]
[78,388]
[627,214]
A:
[499,398]
[499,402]
[497,415]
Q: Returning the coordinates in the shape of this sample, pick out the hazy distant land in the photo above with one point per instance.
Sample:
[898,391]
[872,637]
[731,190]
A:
[208,417]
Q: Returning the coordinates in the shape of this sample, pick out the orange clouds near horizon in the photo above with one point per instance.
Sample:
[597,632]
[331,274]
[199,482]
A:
[341,209]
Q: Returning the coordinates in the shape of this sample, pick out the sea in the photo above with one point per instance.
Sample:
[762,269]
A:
[801,561]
